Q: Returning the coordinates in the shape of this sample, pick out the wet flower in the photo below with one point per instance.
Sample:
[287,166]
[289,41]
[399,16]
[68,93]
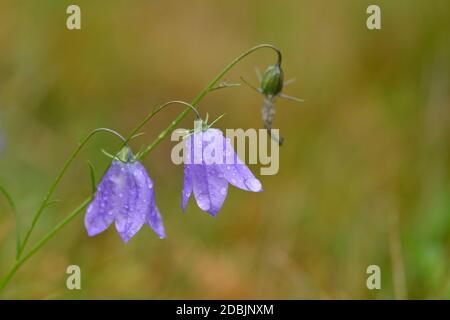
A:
[210,164]
[125,195]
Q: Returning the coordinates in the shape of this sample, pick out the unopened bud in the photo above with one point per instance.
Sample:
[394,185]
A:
[272,82]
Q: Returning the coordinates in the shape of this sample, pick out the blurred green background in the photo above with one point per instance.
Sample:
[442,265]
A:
[364,173]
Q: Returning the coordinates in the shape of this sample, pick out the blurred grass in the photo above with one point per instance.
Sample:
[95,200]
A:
[371,141]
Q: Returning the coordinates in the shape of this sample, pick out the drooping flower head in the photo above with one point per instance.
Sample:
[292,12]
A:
[125,195]
[210,165]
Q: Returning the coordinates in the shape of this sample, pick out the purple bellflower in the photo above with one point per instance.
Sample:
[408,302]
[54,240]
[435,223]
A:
[125,195]
[210,163]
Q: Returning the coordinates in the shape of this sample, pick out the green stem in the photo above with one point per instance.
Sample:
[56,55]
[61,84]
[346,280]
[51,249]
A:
[16,216]
[210,87]
[41,243]
[53,187]
[155,112]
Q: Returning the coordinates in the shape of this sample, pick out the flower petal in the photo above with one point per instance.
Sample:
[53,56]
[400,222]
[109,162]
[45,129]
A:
[147,206]
[134,196]
[210,188]
[240,176]
[187,187]
[155,222]
[101,211]
[218,188]
[249,179]
[237,173]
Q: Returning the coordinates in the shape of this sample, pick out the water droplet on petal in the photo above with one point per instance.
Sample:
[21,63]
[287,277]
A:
[253,184]
[223,191]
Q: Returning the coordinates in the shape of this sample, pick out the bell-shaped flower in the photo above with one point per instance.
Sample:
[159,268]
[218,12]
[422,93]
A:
[125,195]
[210,163]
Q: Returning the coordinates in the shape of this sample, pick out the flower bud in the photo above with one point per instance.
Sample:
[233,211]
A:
[125,155]
[272,82]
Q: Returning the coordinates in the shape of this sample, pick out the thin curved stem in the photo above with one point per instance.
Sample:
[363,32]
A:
[225,70]
[22,259]
[19,262]
[11,203]
[157,110]
[121,137]
[56,182]
[250,85]
[225,85]
[206,90]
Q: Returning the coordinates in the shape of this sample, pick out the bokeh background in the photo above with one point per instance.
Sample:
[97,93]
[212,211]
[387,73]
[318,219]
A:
[364,175]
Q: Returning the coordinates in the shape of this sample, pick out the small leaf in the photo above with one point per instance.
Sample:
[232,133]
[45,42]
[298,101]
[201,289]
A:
[251,86]
[138,155]
[106,153]
[92,175]
[11,203]
[212,123]
[137,135]
[225,84]
[285,96]
[50,203]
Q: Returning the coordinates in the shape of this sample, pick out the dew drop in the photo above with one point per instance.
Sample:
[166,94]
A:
[253,184]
